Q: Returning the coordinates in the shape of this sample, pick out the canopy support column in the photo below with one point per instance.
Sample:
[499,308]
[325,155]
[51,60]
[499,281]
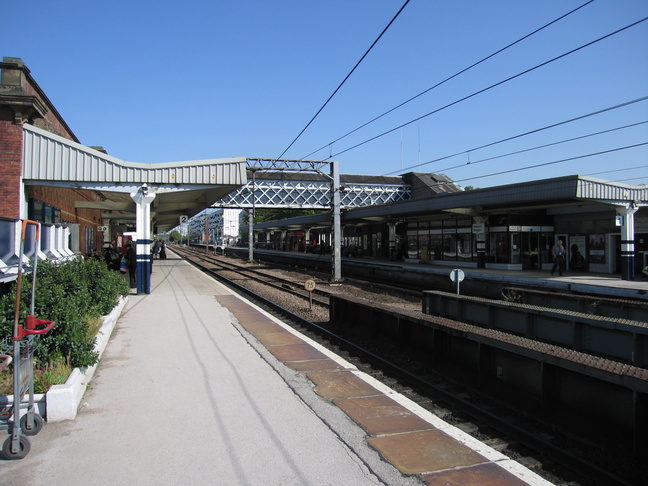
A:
[336,246]
[393,251]
[626,215]
[251,216]
[143,200]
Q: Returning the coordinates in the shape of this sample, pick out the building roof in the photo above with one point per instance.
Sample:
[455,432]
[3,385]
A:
[572,190]
[180,187]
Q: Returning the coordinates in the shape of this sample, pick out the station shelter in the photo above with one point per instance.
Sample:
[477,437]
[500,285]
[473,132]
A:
[603,225]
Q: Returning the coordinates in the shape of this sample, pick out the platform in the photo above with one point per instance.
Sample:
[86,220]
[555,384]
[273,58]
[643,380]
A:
[608,285]
[199,386]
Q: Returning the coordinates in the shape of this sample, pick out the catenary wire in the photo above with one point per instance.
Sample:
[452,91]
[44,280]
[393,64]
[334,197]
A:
[633,179]
[345,79]
[473,162]
[447,79]
[488,88]
[544,164]
[619,170]
[537,130]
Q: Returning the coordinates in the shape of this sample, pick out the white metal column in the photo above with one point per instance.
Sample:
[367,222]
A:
[143,199]
[336,233]
[627,240]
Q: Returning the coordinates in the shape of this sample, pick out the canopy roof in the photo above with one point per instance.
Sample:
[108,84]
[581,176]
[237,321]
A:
[181,188]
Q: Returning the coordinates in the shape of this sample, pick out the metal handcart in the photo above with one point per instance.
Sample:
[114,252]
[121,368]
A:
[17,445]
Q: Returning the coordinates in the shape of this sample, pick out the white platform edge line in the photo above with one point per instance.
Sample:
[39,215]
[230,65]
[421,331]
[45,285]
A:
[496,457]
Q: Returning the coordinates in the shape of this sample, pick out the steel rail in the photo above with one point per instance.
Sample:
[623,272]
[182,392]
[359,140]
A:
[283,284]
[576,464]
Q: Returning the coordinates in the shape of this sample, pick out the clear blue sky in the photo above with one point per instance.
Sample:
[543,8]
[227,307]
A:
[158,81]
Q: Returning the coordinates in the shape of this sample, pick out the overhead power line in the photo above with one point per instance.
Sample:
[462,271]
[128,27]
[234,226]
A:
[473,162]
[489,87]
[633,179]
[448,79]
[344,80]
[619,170]
[537,130]
[627,147]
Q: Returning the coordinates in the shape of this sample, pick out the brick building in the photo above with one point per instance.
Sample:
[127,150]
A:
[22,101]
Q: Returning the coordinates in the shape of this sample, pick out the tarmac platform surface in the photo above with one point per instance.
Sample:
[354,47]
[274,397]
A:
[198,386]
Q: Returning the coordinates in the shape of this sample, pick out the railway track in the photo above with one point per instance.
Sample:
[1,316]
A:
[222,267]
[560,459]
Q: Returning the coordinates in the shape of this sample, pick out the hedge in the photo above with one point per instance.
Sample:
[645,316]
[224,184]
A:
[72,294]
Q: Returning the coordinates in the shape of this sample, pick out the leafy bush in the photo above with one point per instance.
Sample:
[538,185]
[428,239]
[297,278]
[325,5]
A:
[71,294]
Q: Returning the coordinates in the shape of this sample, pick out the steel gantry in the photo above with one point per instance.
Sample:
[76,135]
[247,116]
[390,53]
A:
[308,184]
[256,166]
[309,187]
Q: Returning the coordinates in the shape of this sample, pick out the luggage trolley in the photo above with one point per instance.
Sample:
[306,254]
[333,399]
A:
[17,445]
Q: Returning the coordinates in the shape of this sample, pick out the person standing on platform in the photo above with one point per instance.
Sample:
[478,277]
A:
[558,252]
[131,262]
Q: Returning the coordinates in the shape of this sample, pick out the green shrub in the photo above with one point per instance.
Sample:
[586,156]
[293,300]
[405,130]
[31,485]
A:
[71,294]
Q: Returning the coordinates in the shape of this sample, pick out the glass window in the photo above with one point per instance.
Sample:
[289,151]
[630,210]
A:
[48,213]
[423,243]
[516,247]
[465,246]
[450,246]
[499,248]
[436,224]
[35,210]
[412,246]
[546,242]
[436,246]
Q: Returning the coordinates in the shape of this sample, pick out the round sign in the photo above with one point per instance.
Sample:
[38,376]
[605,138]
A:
[457,275]
[309,285]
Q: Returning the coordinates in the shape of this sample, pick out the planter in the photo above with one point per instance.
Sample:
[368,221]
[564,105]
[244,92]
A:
[61,402]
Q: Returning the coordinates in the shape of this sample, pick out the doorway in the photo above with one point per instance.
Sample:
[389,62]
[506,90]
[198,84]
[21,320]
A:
[530,250]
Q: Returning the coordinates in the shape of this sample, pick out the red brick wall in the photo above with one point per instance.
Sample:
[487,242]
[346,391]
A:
[11,140]
[50,122]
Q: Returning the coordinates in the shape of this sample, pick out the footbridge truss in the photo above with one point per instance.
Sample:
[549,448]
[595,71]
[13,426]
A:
[300,184]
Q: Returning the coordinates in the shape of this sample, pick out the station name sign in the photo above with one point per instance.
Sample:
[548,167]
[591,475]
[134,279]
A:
[479,228]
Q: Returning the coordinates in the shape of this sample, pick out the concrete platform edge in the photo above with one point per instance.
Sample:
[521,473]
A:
[62,401]
[332,415]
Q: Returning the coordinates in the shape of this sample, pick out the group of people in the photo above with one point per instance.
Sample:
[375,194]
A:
[158,249]
[124,263]
[127,262]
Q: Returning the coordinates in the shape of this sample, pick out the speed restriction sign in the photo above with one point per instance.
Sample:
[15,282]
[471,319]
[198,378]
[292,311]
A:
[310,286]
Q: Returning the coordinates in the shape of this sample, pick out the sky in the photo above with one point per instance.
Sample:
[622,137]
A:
[162,81]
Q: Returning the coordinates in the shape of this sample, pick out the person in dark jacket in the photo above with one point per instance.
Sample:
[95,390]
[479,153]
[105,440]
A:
[131,262]
[112,258]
